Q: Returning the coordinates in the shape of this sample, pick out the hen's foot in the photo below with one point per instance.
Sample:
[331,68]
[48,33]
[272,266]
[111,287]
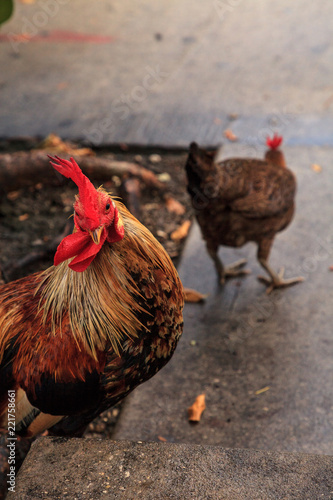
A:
[277,281]
[234,270]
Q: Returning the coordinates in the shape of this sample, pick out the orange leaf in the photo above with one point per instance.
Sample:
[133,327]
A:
[316,168]
[13,195]
[193,295]
[161,438]
[174,206]
[230,135]
[182,231]
[62,85]
[23,217]
[195,411]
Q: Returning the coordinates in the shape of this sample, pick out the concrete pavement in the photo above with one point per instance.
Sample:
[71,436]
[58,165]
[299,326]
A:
[90,469]
[168,72]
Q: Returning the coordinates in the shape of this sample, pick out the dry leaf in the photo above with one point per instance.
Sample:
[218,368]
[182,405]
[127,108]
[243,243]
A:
[54,144]
[182,231]
[23,217]
[13,195]
[230,135]
[161,438]
[260,391]
[195,411]
[331,268]
[316,168]
[174,206]
[193,295]
[62,85]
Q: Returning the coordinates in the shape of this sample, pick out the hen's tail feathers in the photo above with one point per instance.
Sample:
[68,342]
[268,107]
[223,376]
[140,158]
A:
[274,142]
[200,162]
[200,166]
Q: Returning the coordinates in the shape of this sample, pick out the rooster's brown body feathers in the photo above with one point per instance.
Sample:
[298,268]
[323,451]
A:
[74,344]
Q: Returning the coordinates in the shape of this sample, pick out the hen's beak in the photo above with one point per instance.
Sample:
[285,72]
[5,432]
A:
[96,235]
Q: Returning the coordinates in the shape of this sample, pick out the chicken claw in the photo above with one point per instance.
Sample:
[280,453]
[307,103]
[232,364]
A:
[234,270]
[277,280]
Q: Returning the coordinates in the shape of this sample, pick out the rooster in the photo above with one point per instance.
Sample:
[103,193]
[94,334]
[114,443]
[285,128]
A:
[240,200]
[78,337]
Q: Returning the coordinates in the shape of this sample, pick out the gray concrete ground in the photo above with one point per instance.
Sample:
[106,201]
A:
[168,72]
[125,470]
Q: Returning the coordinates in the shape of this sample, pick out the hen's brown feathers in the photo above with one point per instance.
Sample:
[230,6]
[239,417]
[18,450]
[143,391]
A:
[239,200]
[247,198]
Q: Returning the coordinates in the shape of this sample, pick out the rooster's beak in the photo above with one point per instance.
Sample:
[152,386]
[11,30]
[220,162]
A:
[96,235]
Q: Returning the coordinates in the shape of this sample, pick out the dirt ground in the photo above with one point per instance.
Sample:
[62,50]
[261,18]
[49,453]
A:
[31,218]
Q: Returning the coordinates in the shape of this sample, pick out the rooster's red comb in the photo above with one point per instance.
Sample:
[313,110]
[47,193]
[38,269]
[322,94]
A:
[274,142]
[71,170]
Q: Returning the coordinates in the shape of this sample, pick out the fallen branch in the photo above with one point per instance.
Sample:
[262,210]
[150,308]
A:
[25,168]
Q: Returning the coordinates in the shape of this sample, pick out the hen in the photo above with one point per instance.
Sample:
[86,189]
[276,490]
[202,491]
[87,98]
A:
[240,200]
[78,337]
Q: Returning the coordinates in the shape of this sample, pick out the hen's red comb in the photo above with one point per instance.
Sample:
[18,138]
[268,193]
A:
[71,170]
[274,142]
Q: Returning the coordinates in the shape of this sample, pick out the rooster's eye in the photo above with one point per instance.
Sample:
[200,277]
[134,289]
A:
[107,208]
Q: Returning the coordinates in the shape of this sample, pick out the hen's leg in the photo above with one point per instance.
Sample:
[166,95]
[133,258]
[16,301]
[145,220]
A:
[231,271]
[277,280]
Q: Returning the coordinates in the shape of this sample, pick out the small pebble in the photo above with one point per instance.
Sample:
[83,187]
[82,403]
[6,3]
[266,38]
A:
[37,242]
[161,234]
[155,158]
[164,177]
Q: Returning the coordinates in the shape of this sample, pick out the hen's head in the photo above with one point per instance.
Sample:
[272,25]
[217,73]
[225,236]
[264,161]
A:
[274,142]
[274,154]
[96,219]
